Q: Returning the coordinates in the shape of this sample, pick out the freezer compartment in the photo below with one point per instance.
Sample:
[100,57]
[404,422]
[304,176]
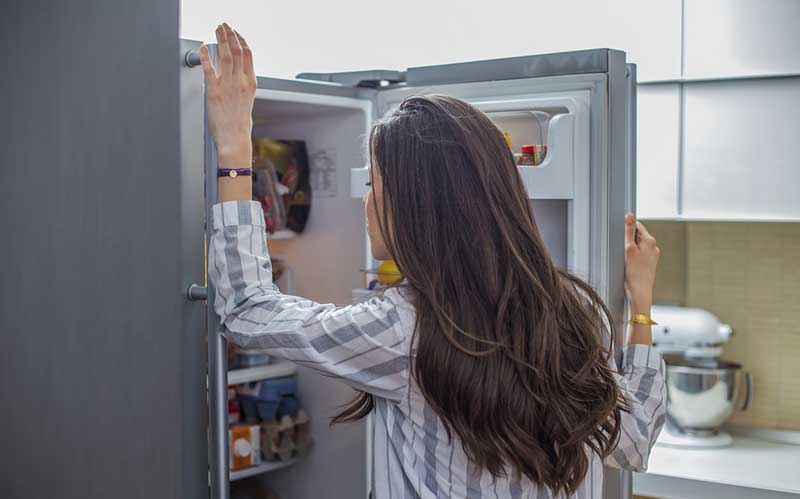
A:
[553,127]
[324,260]
[323,263]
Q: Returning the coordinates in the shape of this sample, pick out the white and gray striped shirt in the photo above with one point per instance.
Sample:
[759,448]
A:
[368,346]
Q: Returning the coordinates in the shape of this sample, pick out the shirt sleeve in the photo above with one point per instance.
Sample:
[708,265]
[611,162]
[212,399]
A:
[641,379]
[364,345]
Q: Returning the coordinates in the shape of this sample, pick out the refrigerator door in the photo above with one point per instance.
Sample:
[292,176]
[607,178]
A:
[585,104]
[582,190]
[101,371]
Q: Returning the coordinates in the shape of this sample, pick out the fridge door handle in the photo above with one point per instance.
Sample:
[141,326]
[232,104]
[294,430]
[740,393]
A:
[192,58]
[197,292]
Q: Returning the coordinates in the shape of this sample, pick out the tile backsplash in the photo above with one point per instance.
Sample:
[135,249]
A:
[747,274]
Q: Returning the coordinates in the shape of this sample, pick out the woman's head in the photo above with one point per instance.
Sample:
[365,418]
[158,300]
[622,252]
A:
[509,349]
[451,154]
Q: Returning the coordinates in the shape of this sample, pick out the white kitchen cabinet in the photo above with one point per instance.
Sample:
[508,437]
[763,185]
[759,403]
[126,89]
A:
[658,145]
[736,38]
[741,150]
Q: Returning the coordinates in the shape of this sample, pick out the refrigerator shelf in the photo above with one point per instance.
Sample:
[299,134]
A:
[282,234]
[280,369]
[264,467]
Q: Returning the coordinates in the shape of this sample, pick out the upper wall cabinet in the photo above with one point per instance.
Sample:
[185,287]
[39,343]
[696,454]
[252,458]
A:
[741,150]
[735,38]
[657,126]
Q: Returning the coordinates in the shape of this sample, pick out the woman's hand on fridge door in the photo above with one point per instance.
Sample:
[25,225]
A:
[230,92]
[641,260]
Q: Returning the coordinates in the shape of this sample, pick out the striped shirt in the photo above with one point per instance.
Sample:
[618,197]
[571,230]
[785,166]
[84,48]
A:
[368,346]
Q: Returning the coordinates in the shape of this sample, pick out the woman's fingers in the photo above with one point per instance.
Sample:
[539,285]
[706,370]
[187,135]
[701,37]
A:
[247,55]
[224,57]
[643,234]
[209,73]
[235,48]
[630,230]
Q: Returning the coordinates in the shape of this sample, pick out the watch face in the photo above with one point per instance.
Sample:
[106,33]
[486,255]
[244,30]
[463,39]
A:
[233,174]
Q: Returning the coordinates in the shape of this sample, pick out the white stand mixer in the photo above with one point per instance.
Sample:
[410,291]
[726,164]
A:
[703,391]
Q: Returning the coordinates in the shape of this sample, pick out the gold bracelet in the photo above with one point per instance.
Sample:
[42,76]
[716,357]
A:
[642,319]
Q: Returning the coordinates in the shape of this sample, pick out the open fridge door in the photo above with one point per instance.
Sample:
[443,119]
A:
[579,107]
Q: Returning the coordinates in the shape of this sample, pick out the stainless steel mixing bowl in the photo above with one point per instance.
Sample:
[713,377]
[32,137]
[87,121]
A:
[703,395]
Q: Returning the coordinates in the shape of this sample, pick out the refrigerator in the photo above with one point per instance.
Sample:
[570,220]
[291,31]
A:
[580,104]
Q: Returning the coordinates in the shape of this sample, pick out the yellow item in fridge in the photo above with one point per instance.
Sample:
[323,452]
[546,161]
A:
[508,140]
[388,273]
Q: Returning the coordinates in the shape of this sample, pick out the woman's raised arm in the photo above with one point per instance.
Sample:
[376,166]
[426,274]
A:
[363,345]
[230,93]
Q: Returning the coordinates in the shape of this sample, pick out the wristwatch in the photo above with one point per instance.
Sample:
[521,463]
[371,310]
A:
[234,172]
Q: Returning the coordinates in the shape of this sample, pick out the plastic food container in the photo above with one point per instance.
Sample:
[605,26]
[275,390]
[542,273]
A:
[269,399]
[252,357]
[532,155]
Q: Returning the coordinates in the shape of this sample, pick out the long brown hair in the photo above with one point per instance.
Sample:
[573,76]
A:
[509,349]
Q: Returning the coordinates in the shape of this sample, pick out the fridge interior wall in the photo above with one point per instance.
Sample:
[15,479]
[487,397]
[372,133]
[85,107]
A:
[325,262]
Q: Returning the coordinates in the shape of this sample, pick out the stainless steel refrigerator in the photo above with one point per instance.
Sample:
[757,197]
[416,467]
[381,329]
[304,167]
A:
[580,104]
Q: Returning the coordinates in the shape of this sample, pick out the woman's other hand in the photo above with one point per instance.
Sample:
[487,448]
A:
[641,260]
[230,92]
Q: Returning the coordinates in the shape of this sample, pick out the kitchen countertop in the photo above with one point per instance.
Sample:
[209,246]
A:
[749,469]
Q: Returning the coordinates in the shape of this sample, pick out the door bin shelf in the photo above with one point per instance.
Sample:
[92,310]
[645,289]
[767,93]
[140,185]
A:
[258,469]
[280,369]
[553,179]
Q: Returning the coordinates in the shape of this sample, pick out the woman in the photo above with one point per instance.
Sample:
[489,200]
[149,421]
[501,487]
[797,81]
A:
[488,370]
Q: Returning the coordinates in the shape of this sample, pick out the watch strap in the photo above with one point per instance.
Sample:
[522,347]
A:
[234,172]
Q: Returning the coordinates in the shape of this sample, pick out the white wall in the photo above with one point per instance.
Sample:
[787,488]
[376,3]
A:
[293,36]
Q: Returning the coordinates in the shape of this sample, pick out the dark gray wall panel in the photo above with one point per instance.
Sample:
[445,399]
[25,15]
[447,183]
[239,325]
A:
[94,355]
